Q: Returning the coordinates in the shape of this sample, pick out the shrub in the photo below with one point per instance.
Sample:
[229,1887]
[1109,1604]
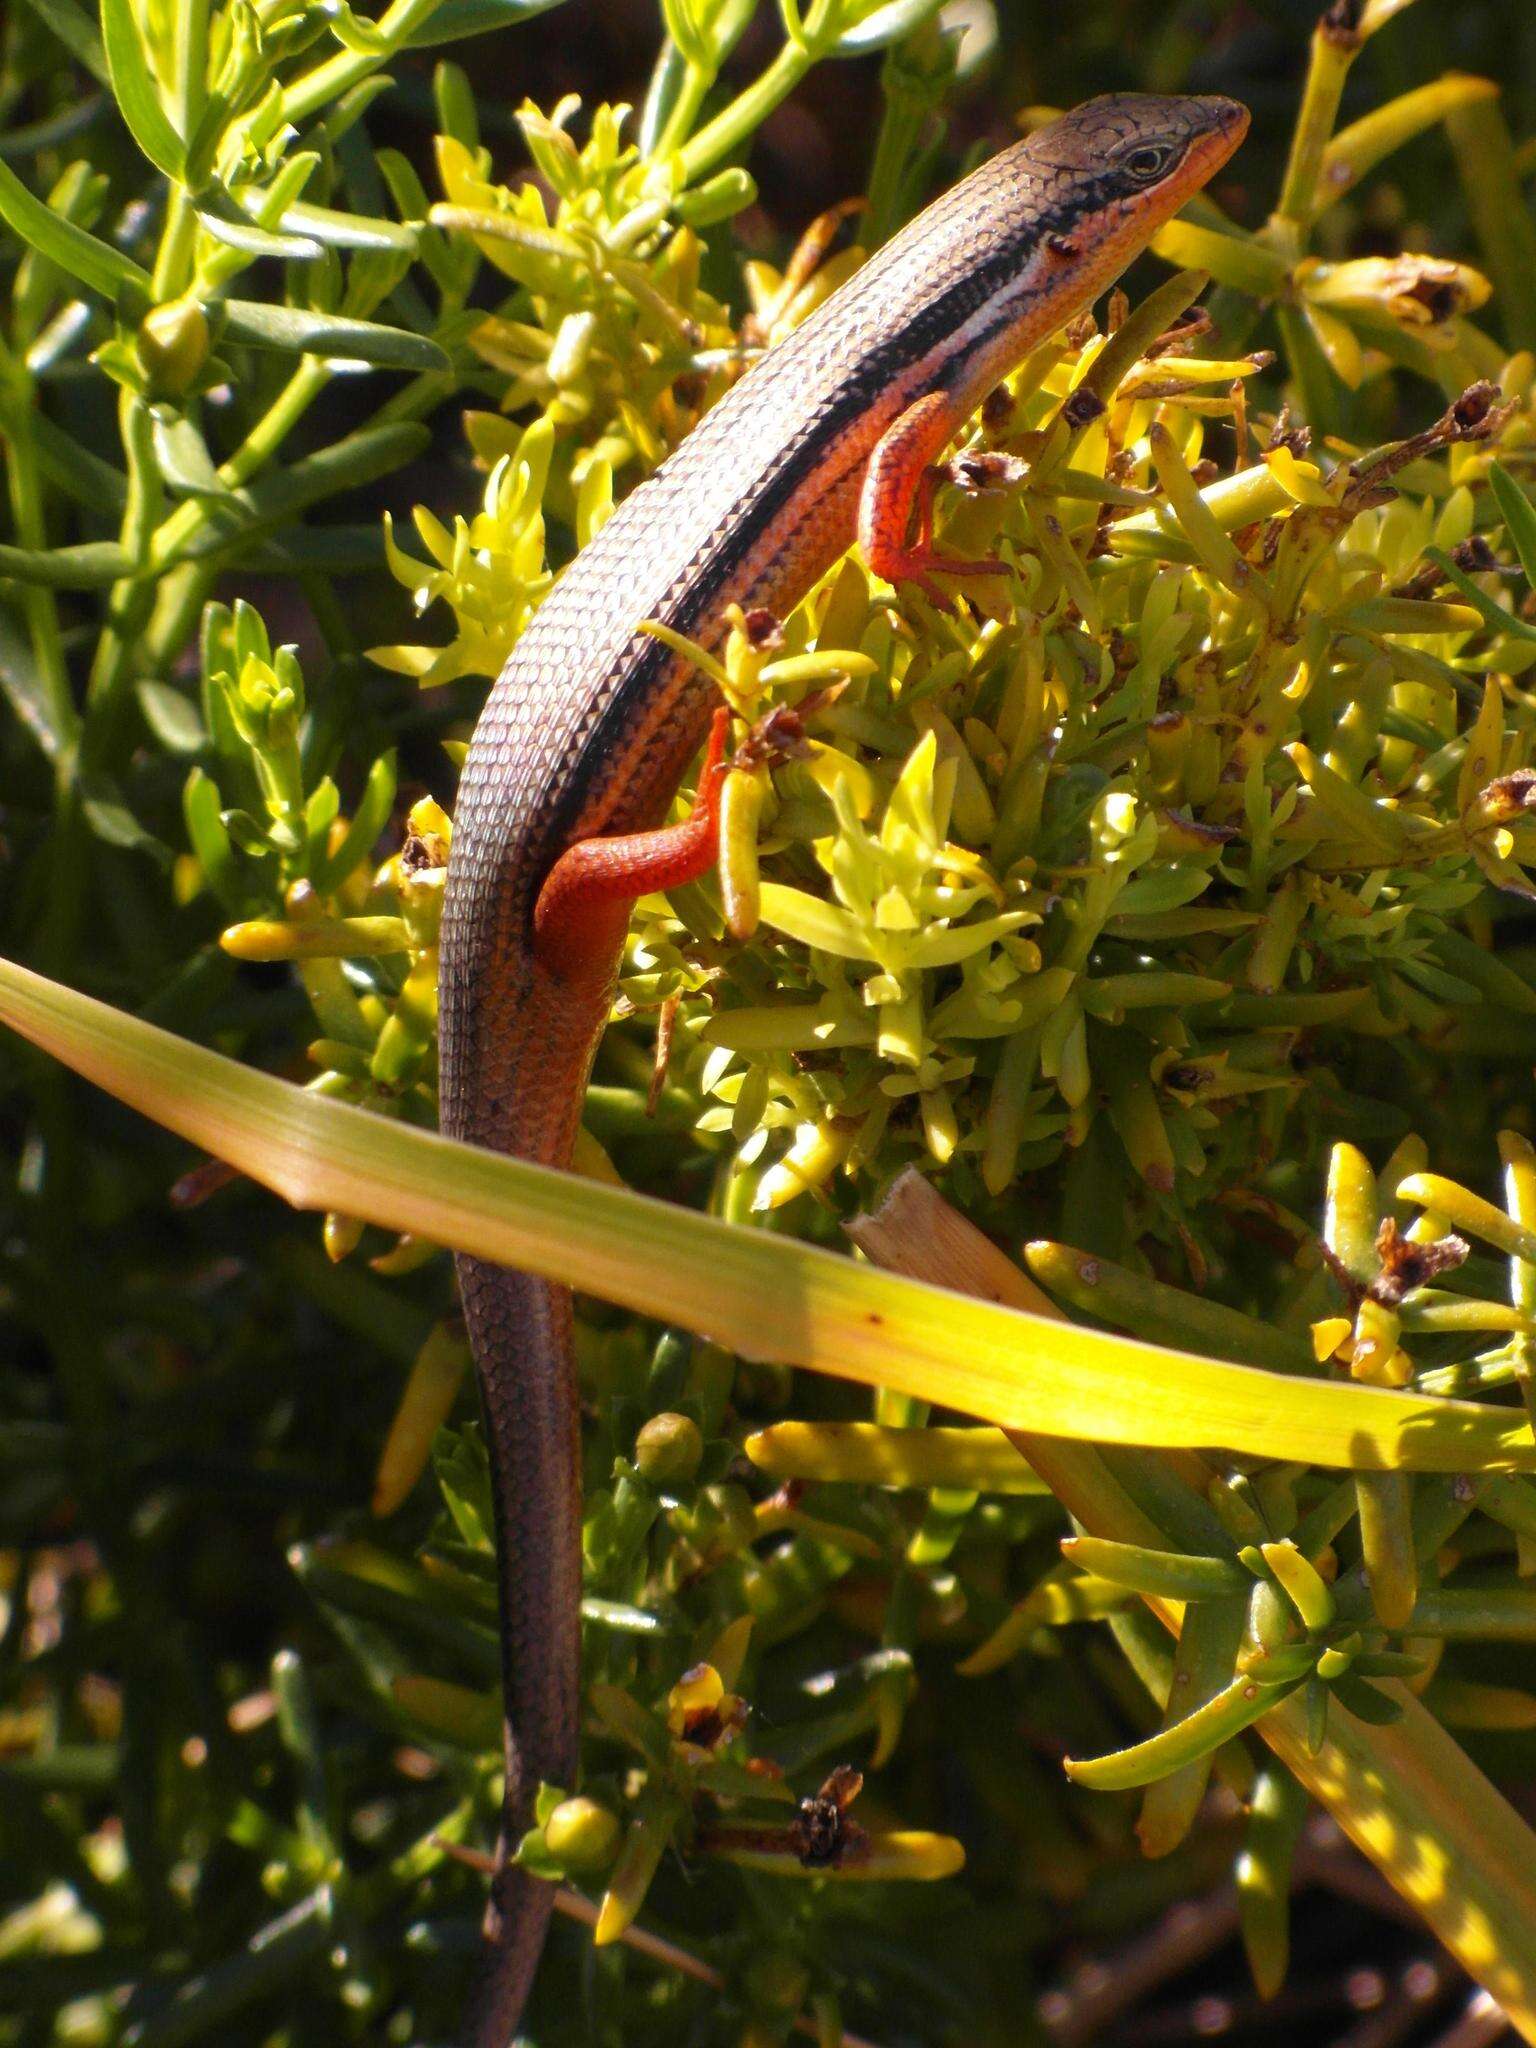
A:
[1164,896]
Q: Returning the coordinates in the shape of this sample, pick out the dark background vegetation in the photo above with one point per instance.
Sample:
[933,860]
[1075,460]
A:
[185,1395]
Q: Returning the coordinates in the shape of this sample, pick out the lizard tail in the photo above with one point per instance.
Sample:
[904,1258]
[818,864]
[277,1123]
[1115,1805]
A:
[520,1328]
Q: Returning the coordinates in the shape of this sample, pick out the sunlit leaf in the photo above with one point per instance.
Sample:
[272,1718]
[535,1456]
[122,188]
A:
[765,1297]
[136,91]
[77,252]
[297,331]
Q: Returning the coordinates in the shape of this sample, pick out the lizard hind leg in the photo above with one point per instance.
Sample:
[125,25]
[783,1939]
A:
[897,502]
[583,908]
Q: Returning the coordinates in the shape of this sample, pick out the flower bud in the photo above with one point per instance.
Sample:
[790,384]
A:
[1415,291]
[668,1449]
[582,1835]
[173,346]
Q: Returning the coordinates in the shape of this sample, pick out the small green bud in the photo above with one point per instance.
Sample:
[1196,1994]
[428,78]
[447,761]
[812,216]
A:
[668,1449]
[1271,1621]
[173,346]
[268,701]
[582,1835]
[341,1235]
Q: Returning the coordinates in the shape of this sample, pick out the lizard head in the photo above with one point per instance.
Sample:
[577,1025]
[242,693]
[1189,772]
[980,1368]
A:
[1135,156]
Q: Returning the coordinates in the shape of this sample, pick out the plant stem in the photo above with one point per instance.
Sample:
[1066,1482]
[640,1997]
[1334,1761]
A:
[130,601]
[328,81]
[685,108]
[1333,51]
[747,112]
[181,594]
[173,261]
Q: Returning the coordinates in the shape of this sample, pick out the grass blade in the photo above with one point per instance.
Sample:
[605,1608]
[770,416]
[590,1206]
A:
[766,1297]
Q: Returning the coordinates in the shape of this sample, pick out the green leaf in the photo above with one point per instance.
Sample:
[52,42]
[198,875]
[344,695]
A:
[1168,889]
[769,1298]
[814,922]
[1202,1665]
[202,808]
[1503,1614]
[82,255]
[883,25]
[1496,617]
[1490,173]
[348,230]
[1236,1707]
[23,689]
[269,1963]
[203,142]
[77,32]
[258,242]
[85,567]
[625,1619]
[373,1586]
[1519,518]
[717,199]
[184,459]
[33,138]
[464,1479]
[77,471]
[108,815]
[138,96]
[1166,1574]
[361,37]
[1367,1702]
[1163,1313]
[457,19]
[876,1454]
[346,465]
[1276,1813]
[367,822]
[296,332]
[346,112]
[334,550]
[172,717]
[1487,973]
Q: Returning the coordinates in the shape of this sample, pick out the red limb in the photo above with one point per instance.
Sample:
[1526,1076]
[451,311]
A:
[583,907]
[898,494]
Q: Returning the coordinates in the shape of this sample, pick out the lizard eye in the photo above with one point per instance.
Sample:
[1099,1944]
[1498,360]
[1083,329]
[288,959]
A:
[1148,161]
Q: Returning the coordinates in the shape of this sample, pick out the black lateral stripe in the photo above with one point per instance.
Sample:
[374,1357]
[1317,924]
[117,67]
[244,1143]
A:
[927,327]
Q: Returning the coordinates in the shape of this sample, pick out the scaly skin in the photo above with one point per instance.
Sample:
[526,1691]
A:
[591,726]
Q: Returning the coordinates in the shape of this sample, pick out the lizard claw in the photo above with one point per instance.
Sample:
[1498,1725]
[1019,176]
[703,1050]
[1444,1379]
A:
[918,565]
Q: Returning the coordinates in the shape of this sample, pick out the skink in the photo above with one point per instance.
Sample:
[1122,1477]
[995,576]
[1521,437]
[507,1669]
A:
[592,723]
